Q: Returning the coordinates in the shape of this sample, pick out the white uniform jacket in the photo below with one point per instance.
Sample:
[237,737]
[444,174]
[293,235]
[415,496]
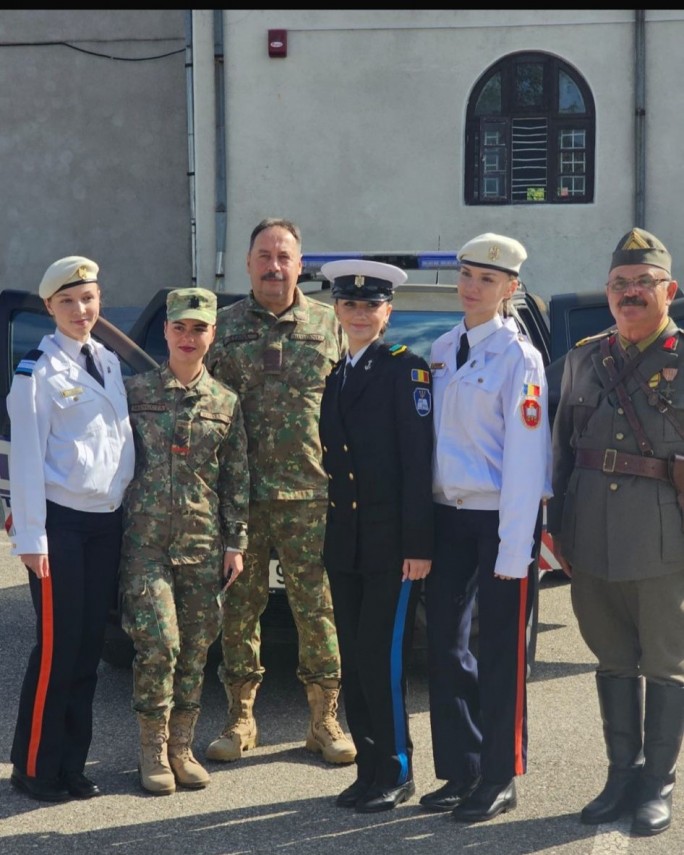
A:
[492,435]
[71,438]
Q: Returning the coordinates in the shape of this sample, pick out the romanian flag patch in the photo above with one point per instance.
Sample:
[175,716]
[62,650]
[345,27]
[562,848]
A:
[418,375]
[531,390]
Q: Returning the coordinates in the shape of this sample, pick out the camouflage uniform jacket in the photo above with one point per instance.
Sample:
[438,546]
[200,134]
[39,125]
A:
[189,495]
[278,366]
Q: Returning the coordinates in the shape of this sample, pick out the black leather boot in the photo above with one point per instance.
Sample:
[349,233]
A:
[663,730]
[620,702]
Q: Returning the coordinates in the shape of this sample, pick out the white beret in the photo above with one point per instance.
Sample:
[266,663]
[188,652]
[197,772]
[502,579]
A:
[496,251]
[362,279]
[72,270]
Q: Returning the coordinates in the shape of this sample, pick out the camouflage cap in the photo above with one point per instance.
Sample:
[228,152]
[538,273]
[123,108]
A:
[496,251]
[197,304]
[641,247]
[72,270]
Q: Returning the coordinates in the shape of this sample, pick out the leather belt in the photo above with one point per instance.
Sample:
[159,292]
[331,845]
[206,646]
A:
[613,461]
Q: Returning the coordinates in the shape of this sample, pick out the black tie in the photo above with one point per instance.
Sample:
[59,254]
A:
[91,368]
[463,350]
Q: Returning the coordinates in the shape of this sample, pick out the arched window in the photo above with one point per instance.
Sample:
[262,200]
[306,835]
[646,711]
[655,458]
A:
[530,133]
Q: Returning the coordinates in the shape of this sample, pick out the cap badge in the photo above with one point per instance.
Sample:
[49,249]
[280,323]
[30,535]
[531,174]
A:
[359,281]
[82,272]
[635,241]
[194,303]
[493,253]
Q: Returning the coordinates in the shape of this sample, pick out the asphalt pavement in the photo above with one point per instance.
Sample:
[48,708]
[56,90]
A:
[280,798]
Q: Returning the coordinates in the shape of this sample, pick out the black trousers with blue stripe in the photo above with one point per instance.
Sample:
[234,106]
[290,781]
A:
[374,615]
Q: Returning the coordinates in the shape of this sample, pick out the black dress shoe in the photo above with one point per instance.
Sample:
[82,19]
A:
[487,801]
[378,798]
[42,789]
[448,796]
[79,786]
[349,797]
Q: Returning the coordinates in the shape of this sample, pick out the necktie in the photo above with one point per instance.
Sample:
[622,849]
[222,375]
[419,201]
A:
[347,368]
[463,350]
[91,368]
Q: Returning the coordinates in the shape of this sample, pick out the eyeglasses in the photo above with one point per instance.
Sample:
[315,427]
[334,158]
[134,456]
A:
[646,282]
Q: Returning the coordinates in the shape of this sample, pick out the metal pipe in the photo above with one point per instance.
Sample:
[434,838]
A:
[639,118]
[189,100]
[221,193]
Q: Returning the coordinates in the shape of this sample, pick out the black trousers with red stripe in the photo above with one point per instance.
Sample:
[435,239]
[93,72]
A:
[478,707]
[54,722]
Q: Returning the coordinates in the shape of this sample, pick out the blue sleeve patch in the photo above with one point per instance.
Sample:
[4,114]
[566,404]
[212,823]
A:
[28,362]
[423,401]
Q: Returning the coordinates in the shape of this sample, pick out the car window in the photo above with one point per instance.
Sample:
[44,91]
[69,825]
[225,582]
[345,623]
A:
[418,329]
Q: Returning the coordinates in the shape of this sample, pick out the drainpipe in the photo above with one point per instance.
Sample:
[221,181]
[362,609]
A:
[639,118]
[221,193]
[189,100]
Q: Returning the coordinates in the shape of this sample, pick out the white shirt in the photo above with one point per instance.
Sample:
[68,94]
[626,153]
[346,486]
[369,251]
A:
[71,438]
[492,434]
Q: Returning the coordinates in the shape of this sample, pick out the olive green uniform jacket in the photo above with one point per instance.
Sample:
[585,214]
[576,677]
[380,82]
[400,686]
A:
[615,526]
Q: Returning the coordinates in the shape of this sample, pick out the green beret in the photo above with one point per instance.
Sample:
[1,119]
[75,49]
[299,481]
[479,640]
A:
[641,247]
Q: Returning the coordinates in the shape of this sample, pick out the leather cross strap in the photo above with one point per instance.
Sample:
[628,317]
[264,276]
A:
[619,462]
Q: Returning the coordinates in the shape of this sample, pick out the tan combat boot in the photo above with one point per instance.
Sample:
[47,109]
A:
[325,734]
[153,764]
[186,768]
[241,732]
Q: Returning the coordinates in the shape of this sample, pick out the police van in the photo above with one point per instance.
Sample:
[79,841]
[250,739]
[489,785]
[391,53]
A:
[423,308]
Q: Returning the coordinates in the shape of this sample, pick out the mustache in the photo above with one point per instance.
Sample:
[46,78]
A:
[634,300]
[270,277]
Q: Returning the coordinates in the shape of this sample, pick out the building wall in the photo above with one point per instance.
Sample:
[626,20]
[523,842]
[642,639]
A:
[357,135]
[93,147]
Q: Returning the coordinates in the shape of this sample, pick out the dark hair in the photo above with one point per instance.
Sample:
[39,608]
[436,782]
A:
[269,223]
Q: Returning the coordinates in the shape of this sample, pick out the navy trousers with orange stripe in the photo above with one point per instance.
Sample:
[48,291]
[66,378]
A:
[478,707]
[54,722]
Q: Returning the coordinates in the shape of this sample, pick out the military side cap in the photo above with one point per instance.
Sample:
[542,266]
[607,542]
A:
[641,247]
[361,279]
[496,251]
[197,304]
[72,270]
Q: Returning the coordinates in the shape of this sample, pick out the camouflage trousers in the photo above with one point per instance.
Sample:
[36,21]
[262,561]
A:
[172,614]
[295,529]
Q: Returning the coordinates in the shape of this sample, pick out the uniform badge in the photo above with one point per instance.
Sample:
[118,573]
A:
[531,390]
[435,366]
[359,281]
[423,401]
[419,375]
[531,413]
[71,393]
[654,381]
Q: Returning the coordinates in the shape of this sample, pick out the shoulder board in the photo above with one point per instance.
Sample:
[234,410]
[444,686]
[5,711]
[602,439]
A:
[397,349]
[28,362]
[590,338]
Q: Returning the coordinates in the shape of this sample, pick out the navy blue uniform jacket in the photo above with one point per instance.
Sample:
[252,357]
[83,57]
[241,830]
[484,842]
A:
[377,437]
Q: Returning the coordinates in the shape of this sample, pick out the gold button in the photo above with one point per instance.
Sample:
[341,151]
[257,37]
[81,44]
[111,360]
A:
[354,505]
[619,436]
[333,505]
[351,476]
[621,411]
[345,448]
[325,448]
[613,486]
[459,501]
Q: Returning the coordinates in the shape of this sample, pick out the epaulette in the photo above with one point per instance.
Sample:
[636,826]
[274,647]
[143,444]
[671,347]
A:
[397,349]
[590,338]
[28,362]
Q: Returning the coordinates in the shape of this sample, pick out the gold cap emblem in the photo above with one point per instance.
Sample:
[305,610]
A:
[359,281]
[494,252]
[82,272]
[635,241]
